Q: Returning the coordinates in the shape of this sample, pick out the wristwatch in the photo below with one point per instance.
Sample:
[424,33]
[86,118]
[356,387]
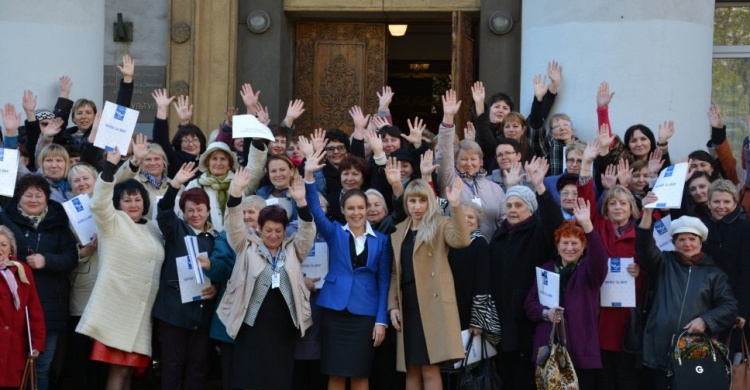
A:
[544,314]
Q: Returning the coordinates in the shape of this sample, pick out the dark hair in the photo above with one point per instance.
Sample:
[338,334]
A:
[73,150]
[352,193]
[565,179]
[502,97]
[196,195]
[31,180]
[189,129]
[702,155]
[280,131]
[698,175]
[24,152]
[393,131]
[273,213]
[338,135]
[354,162]
[645,130]
[131,187]
[509,141]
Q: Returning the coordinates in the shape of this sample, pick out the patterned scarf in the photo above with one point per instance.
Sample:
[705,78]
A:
[154,181]
[220,184]
[11,279]
[34,219]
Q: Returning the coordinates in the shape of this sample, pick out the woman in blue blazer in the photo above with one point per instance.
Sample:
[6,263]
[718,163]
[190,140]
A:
[354,296]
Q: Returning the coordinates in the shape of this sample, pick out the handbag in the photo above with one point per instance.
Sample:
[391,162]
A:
[741,371]
[554,369]
[29,375]
[699,363]
[480,376]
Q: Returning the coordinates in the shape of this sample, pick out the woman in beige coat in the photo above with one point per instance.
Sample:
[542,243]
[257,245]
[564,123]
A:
[266,300]
[421,292]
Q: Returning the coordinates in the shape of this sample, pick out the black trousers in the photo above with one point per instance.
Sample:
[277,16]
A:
[184,357]
[618,371]
[516,370]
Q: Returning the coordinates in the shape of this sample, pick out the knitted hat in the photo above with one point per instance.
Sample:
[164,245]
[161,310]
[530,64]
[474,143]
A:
[687,224]
[43,113]
[404,155]
[526,194]
[213,147]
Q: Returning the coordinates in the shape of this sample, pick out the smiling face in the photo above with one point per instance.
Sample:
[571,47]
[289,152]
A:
[154,164]
[132,205]
[570,249]
[33,201]
[6,247]
[272,233]
[618,210]
[562,129]
[468,162]
[698,189]
[472,220]
[292,151]
[513,130]
[416,207]
[568,197]
[250,217]
[639,144]
[498,111]
[335,152]
[721,204]
[701,166]
[687,243]
[82,182]
[54,167]
[83,117]
[278,146]
[218,163]
[196,214]
[280,174]
[516,210]
[191,144]
[639,180]
[390,144]
[506,156]
[376,210]
[351,179]
[406,170]
[355,211]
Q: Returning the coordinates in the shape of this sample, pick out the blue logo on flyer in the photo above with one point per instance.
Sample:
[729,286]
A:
[660,228]
[120,113]
[545,279]
[669,171]
[2,154]
[614,265]
[77,204]
[190,263]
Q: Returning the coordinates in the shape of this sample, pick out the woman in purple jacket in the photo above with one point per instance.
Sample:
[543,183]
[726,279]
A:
[581,261]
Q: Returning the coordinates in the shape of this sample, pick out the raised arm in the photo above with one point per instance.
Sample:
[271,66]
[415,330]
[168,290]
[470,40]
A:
[446,134]
[645,246]
[165,215]
[102,208]
[125,93]
[720,145]
[456,233]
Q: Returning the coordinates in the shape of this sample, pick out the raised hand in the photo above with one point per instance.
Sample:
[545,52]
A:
[140,148]
[603,96]
[95,127]
[376,144]
[714,116]
[623,172]
[29,105]
[427,165]
[318,138]
[392,171]
[53,127]
[262,113]
[609,177]
[359,119]
[114,156]
[604,138]
[379,122]
[240,182]
[470,132]
[540,87]
[536,169]
[655,162]
[249,97]
[513,176]
[11,120]
[666,131]
[229,115]
[591,151]
[297,191]
[554,72]
[384,98]
[127,68]
[305,146]
[162,100]
[185,110]
[65,86]
[415,131]
[450,106]
[582,212]
[294,111]
[453,192]
[477,93]
[649,198]
[185,174]
[314,163]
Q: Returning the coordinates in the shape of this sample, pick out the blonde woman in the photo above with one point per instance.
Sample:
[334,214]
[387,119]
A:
[422,300]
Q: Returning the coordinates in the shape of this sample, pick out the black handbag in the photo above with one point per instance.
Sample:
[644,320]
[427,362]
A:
[697,363]
[480,376]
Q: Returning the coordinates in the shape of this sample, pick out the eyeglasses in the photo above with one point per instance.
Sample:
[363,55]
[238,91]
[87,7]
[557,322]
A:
[572,161]
[506,154]
[566,194]
[562,124]
[191,141]
[335,149]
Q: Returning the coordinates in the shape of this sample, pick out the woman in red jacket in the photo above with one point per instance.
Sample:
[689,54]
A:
[17,293]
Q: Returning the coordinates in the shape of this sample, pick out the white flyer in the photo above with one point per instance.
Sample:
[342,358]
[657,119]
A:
[191,243]
[661,234]
[316,263]
[8,171]
[248,126]
[618,289]
[81,220]
[548,285]
[116,127]
[475,354]
[669,186]
[190,290]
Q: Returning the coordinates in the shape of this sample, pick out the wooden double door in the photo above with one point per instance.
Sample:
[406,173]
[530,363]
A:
[339,65]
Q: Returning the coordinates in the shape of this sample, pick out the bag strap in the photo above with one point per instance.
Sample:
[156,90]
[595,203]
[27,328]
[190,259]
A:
[708,340]
[743,344]
[563,339]
[468,349]
[552,334]
[684,296]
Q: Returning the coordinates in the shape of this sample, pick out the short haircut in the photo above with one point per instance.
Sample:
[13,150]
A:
[279,131]
[509,141]
[722,185]
[53,150]
[393,131]
[638,165]
[189,129]
[83,102]
[338,135]
[79,168]
[253,201]
[157,150]
[467,146]
[196,195]
[352,193]
[5,231]
[274,214]
[279,157]
[575,146]
[501,97]
[467,204]
[570,229]
[615,191]
[377,193]
[557,116]
[354,162]
[31,180]
[131,187]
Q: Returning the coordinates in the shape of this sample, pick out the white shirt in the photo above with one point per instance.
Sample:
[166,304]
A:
[359,242]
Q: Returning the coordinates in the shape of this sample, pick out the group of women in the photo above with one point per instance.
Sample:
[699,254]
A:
[419,242]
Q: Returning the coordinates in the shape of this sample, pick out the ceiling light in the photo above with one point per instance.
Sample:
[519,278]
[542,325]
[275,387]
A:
[397,30]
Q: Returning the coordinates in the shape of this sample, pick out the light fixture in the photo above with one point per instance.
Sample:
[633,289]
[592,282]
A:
[501,22]
[258,21]
[397,30]
[419,66]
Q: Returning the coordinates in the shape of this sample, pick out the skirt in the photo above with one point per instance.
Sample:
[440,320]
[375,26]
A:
[106,354]
[347,344]
[264,353]
[415,346]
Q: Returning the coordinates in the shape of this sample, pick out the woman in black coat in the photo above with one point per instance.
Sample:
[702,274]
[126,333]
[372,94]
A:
[184,327]
[45,243]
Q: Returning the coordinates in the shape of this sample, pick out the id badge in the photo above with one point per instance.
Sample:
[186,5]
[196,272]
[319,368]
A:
[477,201]
[275,280]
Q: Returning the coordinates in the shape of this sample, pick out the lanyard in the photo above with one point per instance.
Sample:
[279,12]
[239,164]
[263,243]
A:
[473,185]
[275,259]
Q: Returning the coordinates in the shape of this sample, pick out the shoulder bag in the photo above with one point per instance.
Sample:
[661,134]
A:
[699,363]
[741,371]
[554,369]
[480,376]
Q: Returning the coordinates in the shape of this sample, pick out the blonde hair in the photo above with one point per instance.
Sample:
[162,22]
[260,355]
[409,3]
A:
[5,231]
[428,226]
[617,191]
[157,150]
[79,168]
[723,185]
[53,150]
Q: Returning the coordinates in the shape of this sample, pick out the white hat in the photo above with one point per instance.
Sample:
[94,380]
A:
[213,147]
[687,224]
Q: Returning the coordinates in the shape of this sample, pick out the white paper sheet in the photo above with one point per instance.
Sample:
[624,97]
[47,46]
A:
[316,263]
[618,289]
[81,220]
[191,243]
[116,127]
[661,234]
[475,354]
[8,171]
[669,186]
[248,126]
[548,286]
[190,290]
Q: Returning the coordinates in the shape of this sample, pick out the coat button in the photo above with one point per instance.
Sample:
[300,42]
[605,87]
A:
[436,295]
[143,303]
[432,274]
[429,254]
[5,327]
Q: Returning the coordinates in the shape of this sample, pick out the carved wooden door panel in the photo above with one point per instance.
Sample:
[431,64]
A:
[463,67]
[338,65]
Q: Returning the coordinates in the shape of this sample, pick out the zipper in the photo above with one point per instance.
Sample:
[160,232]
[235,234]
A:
[684,297]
